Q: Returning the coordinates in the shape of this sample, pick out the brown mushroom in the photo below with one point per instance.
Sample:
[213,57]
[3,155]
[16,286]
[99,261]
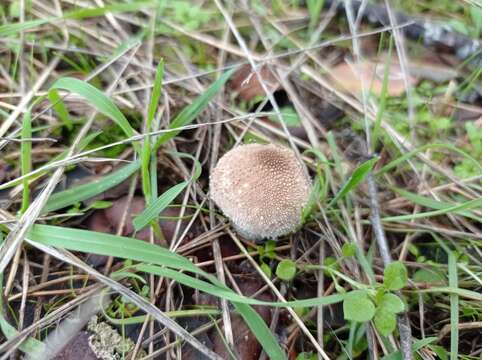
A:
[262,189]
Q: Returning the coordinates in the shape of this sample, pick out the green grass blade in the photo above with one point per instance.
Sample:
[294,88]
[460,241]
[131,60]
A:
[26,158]
[146,147]
[468,294]
[29,345]
[138,250]
[156,93]
[83,192]
[11,29]
[107,244]
[454,308]
[110,245]
[120,7]
[262,332]
[99,100]
[393,164]
[59,107]
[433,204]
[153,209]
[452,209]
[158,205]
[189,113]
[220,290]
[357,177]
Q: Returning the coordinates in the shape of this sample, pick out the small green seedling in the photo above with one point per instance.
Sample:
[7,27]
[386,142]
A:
[382,308]
[266,253]
[286,270]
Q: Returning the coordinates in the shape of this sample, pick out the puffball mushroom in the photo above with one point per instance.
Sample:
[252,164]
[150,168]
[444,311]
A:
[262,189]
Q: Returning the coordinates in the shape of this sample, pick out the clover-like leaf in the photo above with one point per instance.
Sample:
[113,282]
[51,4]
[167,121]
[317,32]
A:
[358,307]
[385,321]
[392,303]
[348,249]
[286,270]
[395,276]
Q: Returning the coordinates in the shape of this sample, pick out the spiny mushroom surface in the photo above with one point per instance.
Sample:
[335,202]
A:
[262,189]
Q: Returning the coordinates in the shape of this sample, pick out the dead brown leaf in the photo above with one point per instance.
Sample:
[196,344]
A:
[246,84]
[350,77]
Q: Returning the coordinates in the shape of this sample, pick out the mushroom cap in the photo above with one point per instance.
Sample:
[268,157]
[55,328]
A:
[262,189]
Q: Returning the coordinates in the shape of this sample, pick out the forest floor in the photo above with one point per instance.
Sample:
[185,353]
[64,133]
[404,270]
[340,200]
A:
[108,105]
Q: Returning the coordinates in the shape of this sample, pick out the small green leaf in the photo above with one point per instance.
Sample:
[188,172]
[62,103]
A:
[428,276]
[440,351]
[286,270]
[358,307]
[392,303]
[307,356]
[100,204]
[395,276]
[357,177]
[59,106]
[266,269]
[385,321]
[270,247]
[476,15]
[348,250]
[289,116]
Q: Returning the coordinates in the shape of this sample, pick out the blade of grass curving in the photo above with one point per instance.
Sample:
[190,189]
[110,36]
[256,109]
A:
[86,191]
[131,296]
[59,107]
[153,209]
[220,290]
[423,148]
[29,345]
[357,177]
[99,100]
[26,158]
[110,245]
[189,113]
[433,204]
[107,244]
[137,250]
[448,210]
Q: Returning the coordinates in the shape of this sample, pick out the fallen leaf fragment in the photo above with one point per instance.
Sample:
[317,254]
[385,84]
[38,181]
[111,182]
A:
[246,84]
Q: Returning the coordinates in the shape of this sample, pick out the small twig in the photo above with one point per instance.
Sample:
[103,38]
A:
[403,320]
[464,326]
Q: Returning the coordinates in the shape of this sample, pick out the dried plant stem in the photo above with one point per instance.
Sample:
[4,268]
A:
[403,321]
